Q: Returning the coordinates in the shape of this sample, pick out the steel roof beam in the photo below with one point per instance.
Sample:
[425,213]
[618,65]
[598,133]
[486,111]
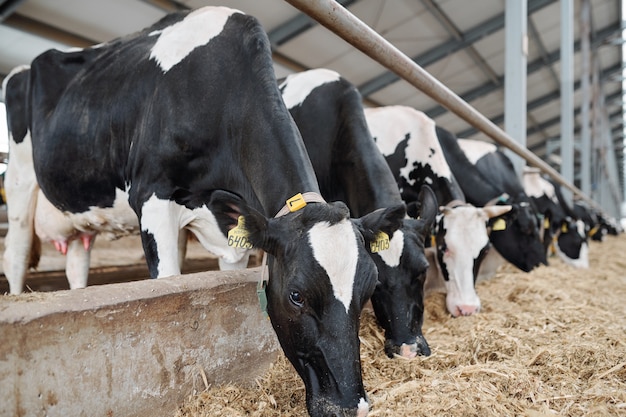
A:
[8,7]
[556,120]
[296,26]
[534,66]
[554,95]
[452,30]
[441,51]
[38,28]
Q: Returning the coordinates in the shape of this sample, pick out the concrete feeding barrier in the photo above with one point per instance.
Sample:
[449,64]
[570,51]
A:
[131,349]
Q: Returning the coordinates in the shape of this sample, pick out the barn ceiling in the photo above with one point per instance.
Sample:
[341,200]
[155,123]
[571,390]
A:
[459,42]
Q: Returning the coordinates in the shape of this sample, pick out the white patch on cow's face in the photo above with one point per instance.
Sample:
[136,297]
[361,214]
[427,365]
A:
[362,408]
[299,86]
[583,256]
[196,29]
[391,124]
[466,236]
[392,255]
[335,249]
[580,228]
[476,149]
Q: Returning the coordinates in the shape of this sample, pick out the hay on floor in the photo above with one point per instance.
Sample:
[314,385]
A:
[549,342]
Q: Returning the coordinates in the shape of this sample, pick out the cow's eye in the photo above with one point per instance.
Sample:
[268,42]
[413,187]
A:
[296,298]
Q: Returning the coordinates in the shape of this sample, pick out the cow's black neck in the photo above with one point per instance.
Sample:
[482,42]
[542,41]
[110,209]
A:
[467,175]
[346,160]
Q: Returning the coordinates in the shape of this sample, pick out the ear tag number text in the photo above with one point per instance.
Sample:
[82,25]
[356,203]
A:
[296,202]
[238,235]
[380,242]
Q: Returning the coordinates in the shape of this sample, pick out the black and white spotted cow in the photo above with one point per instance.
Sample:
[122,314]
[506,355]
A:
[408,140]
[487,176]
[328,110]
[195,134]
[597,225]
[561,224]
[50,224]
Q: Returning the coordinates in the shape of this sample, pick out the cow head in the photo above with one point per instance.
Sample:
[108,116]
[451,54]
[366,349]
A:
[462,242]
[571,243]
[516,234]
[320,276]
[398,299]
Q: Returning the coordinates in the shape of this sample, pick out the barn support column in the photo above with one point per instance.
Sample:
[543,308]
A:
[516,52]
[606,191]
[585,132]
[567,90]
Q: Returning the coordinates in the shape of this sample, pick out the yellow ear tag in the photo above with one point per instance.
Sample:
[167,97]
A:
[433,241]
[564,228]
[380,242]
[546,224]
[296,202]
[238,235]
[498,225]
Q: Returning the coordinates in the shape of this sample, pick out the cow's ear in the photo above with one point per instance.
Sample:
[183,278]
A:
[495,211]
[428,203]
[227,209]
[425,208]
[386,220]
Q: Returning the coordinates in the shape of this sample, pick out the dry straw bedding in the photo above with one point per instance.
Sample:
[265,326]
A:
[549,342]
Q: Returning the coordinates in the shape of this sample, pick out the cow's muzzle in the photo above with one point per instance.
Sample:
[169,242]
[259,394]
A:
[408,350]
[323,408]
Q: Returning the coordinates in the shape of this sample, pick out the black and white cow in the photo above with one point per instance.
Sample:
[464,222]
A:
[408,140]
[196,134]
[561,225]
[588,216]
[597,225]
[328,110]
[50,224]
[487,176]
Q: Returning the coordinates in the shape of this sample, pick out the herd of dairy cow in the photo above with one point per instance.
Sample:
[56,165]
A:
[183,127]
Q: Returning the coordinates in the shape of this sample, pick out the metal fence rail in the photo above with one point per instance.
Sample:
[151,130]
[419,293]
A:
[340,21]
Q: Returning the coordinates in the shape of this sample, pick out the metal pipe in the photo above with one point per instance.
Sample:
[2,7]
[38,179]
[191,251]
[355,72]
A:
[340,21]
[567,89]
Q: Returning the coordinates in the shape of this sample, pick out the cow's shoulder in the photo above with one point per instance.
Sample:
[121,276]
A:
[476,149]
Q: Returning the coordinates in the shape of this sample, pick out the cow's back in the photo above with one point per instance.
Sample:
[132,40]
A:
[346,160]
[138,112]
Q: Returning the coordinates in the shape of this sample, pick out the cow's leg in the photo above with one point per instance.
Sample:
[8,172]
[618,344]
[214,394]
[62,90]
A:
[160,229]
[78,260]
[183,238]
[21,191]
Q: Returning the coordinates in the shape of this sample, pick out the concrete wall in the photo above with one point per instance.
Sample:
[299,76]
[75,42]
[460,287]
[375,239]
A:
[131,349]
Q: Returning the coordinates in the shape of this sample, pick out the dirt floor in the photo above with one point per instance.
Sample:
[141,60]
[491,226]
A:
[550,342]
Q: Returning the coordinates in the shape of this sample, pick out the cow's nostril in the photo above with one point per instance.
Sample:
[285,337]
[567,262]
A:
[466,310]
